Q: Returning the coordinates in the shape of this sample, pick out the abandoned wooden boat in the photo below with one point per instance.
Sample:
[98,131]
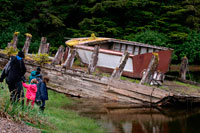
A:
[111,51]
[79,83]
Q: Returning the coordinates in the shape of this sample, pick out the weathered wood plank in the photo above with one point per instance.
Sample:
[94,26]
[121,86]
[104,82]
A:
[59,56]
[94,59]
[148,76]
[27,43]
[69,62]
[183,68]
[118,70]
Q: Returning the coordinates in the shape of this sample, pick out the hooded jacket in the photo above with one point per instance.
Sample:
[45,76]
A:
[16,72]
[31,91]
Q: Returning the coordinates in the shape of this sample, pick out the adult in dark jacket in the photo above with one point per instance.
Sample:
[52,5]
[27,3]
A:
[43,93]
[14,73]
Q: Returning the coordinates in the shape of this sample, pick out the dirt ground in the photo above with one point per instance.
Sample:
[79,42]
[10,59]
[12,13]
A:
[181,88]
[8,126]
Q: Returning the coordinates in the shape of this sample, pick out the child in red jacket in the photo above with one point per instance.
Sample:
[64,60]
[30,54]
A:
[31,91]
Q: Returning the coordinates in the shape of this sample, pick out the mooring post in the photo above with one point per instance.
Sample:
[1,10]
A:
[148,76]
[27,43]
[183,68]
[14,41]
[43,42]
[59,55]
[118,70]
[94,59]
[70,60]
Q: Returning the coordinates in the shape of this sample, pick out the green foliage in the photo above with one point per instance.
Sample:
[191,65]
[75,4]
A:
[149,37]
[141,20]
[41,58]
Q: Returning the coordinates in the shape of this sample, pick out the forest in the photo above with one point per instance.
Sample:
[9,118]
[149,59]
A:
[169,23]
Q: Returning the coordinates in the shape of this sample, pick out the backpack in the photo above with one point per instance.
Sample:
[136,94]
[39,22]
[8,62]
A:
[7,67]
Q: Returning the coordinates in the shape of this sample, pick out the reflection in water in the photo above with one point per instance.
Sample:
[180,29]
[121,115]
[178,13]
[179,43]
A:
[116,118]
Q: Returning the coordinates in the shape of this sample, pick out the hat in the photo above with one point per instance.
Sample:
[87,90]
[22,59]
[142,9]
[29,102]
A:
[20,54]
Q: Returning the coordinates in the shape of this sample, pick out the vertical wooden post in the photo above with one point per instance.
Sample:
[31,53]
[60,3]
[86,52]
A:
[183,68]
[94,59]
[148,76]
[27,43]
[14,41]
[42,45]
[59,55]
[65,55]
[69,62]
[118,70]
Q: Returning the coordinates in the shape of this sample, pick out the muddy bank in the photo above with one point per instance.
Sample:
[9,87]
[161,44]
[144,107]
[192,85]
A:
[8,126]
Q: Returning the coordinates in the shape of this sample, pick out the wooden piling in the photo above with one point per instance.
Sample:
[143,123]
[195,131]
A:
[118,70]
[148,76]
[65,55]
[183,68]
[44,46]
[59,55]
[14,41]
[69,62]
[27,43]
[94,59]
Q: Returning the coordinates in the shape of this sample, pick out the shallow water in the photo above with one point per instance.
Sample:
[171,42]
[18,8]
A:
[121,118]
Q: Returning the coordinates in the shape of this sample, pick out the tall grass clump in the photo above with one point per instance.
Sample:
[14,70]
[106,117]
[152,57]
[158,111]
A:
[17,112]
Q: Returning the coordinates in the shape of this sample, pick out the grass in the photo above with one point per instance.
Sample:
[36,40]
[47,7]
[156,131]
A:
[187,85]
[56,118]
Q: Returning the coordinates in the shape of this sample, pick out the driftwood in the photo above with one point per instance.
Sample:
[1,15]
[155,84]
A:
[94,59]
[148,76]
[59,55]
[183,68]
[69,62]
[14,41]
[27,44]
[44,46]
[118,70]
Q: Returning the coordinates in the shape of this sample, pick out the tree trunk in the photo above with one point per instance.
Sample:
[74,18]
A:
[26,45]
[148,76]
[118,70]
[59,55]
[183,68]
[94,59]
[69,62]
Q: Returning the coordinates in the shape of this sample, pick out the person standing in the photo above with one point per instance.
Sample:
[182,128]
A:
[43,92]
[14,73]
[35,74]
[31,91]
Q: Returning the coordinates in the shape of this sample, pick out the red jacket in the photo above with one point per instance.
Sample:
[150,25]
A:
[31,91]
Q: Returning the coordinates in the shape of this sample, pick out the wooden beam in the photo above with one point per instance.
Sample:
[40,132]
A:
[59,56]
[118,70]
[44,46]
[70,60]
[148,76]
[27,44]
[94,59]
[65,55]
[14,41]
[183,68]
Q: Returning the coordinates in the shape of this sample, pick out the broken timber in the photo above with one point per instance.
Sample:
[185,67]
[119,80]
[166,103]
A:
[69,62]
[44,46]
[14,41]
[183,68]
[81,84]
[27,44]
[148,76]
[118,70]
[59,56]
[94,59]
